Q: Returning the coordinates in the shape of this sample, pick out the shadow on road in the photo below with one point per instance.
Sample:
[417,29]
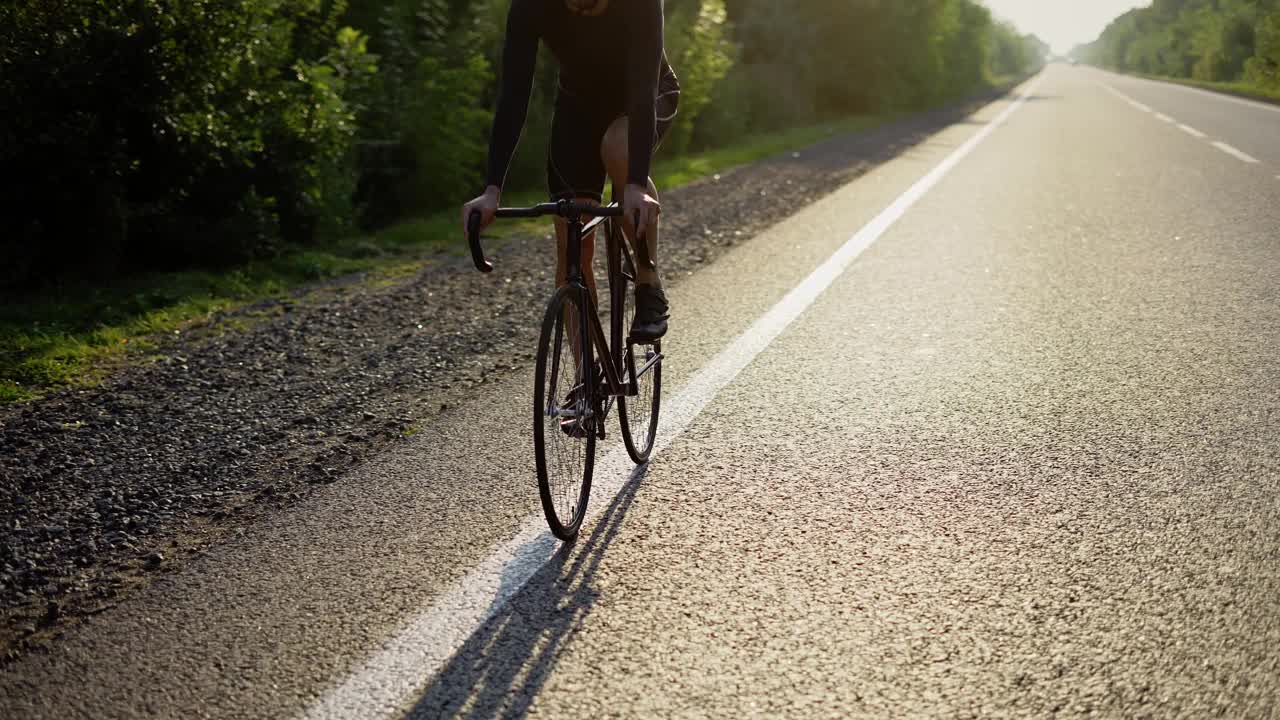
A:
[503,665]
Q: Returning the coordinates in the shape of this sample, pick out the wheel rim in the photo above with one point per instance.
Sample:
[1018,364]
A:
[636,412]
[640,408]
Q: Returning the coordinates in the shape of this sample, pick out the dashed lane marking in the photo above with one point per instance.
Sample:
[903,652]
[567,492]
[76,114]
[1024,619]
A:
[1238,154]
[1224,147]
[1141,106]
[1126,98]
[1192,131]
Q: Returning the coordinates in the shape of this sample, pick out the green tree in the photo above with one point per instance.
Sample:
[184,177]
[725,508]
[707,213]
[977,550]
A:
[158,132]
[1264,67]
[698,45]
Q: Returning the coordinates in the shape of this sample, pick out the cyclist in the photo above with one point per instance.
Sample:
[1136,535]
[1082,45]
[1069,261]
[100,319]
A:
[617,97]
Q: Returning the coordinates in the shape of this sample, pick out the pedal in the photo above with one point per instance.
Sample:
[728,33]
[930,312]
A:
[600,417]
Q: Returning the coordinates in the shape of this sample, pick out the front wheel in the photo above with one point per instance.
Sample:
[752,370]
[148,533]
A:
[564,422]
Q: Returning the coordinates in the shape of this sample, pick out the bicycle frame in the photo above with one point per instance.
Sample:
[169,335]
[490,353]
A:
[618,253]
[610,353]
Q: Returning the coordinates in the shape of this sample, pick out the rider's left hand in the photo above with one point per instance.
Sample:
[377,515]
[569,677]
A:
[637,200]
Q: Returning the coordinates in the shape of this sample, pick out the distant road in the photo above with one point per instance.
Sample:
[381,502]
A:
[1251,126]
[992,430]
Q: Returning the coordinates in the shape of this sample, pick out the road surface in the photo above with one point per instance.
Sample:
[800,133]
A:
[992,430]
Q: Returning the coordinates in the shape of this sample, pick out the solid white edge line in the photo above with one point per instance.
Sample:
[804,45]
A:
[1237,154]
[1191,131]
[408,660]
[1164,118]
[1257,104]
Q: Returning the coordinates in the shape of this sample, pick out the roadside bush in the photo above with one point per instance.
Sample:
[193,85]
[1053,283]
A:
[174,133]
[164,132]
[1264,67]
[424,109]
[1211,40]
[698,44]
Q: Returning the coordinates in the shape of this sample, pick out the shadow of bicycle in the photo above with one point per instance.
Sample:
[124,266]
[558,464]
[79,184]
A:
[500,669]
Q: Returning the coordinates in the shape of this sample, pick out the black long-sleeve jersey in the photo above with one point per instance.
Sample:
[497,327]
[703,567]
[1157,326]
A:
[613,60]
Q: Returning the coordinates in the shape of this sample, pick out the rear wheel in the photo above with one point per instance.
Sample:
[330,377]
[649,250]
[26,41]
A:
[564,418]
[637,414]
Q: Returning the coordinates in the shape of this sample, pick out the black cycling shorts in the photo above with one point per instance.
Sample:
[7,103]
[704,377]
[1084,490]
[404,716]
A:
[574,166]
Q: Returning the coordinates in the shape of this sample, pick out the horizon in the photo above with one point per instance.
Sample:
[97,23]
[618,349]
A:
[1063,24]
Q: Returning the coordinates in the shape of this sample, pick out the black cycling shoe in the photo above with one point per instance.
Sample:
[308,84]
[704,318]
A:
[650,321]
[576,427]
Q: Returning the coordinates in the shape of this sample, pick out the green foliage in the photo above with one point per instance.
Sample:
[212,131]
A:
[129,123]
[1012,53]
[67,337]
[698,43]
[425,107]
[1263,68]
[825,58]
[446,132]
[159,134]
[1222,41]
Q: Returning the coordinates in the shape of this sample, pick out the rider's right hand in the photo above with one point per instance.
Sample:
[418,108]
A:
[487,204]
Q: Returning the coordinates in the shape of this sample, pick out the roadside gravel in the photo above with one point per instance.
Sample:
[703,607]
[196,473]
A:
[102,489]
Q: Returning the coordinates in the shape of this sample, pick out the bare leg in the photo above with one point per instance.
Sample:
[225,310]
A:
[572,323]
[613,150]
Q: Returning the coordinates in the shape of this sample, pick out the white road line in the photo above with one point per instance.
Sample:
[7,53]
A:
[1217,95]
[1191,131]
[1126,98]
[1238,154]
[409,660]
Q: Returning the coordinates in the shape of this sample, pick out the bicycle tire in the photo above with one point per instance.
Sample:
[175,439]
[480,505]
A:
[564,462]
[639,430]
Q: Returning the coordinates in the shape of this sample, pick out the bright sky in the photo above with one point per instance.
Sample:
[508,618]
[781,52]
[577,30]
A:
[1063,23]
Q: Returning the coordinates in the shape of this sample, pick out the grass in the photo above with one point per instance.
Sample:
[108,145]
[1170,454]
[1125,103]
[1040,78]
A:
[1232,88]
[674,172]
[69,334]
[72,335]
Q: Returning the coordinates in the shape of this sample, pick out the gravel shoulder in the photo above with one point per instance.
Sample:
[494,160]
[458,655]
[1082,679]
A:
[102,490]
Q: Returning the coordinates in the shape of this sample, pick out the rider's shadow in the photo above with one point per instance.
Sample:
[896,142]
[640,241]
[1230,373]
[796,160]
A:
[501,668]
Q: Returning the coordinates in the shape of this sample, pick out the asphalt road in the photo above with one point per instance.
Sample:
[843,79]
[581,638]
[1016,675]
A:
[1019,457]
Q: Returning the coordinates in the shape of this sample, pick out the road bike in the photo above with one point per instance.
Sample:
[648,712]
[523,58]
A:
[577,383]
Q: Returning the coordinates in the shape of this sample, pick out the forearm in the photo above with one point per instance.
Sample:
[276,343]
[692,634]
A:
[642,88]
[641,123]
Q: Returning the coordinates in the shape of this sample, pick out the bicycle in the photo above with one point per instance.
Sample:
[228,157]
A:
[573,395]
